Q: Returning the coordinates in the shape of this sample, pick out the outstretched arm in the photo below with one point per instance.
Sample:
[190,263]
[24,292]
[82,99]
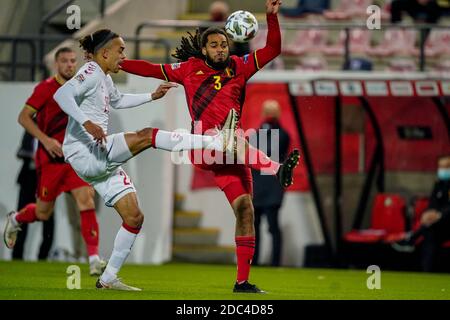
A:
[124,101]
[273,44]
[143,68]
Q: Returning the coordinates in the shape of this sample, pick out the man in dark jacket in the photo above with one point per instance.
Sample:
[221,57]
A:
[267,191]
[435,221]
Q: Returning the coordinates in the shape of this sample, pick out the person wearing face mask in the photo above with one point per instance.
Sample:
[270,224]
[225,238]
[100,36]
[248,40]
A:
[267,193]
[435,221]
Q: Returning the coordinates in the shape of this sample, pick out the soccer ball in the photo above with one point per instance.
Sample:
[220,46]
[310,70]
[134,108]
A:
[241,26]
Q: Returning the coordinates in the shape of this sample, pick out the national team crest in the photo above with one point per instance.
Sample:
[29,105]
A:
[175,66]
[44,192]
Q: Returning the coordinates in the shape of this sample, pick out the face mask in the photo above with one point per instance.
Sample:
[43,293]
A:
[444,174]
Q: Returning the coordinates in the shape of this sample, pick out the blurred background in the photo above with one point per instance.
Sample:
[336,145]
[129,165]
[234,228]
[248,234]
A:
[368,109]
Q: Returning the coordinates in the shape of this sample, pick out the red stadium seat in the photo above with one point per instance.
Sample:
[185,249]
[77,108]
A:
[307,41]
[402,65]
[315,63]
[396,41]
[387,220]
[437,44]
[420,205]
[359,43]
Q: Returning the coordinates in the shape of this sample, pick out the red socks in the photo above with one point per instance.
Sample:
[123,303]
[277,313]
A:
[131,229]
[258,160]
[245,248]
[90,231]
[153,142]
[27,214]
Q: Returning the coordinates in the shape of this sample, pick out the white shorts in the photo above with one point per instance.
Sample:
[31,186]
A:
[100,166]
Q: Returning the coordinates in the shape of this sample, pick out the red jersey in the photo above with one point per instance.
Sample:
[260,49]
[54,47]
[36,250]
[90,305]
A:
[211,93]
[50,118]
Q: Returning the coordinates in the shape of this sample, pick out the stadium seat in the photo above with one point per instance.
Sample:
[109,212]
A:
[441,69]
[313,63]
[307,41]
[420,205]
[348,9]
[359,43]
[437,43]
[402,65]
[396,41]
[387,221]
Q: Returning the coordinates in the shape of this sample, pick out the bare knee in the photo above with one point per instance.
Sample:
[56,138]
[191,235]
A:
[245,213]
[43,214]
[85,198]
[145,136]
[135,219]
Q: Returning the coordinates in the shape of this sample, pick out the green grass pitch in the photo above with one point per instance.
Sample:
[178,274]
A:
[176,281]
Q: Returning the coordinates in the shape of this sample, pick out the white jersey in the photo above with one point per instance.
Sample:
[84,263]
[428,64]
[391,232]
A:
[89,95]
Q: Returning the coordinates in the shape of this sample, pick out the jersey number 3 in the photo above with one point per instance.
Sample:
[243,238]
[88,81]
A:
[217,83]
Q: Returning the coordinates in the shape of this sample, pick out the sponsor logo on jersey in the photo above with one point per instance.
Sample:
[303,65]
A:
[175,66]
[80,78]
[90,68]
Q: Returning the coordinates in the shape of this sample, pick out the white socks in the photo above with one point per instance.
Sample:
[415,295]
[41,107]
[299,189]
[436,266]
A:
[122,247]
[176,141]
[94,258]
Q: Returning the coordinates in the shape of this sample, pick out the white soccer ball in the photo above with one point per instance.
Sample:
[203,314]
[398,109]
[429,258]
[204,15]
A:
[241,26]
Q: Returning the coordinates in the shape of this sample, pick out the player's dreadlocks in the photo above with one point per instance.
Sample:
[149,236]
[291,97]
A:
[191,46]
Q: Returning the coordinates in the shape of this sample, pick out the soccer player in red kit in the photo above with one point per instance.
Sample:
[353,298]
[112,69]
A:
[53,174]
[215,84]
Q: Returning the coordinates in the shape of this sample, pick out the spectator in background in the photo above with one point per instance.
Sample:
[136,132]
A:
[305,7]
[219,12]
[267,191]
[435,221]
[27,181]
[422,11]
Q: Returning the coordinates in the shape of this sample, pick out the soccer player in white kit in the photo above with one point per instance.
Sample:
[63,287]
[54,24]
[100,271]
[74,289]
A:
[97,157]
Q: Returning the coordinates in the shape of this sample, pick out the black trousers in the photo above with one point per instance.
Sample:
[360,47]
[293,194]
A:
[274,228]
[27,194]
[434,236]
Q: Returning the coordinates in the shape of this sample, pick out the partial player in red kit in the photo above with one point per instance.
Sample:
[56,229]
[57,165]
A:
[53,174]
[215,84]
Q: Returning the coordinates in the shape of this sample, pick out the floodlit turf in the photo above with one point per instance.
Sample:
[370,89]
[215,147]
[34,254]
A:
[26,280]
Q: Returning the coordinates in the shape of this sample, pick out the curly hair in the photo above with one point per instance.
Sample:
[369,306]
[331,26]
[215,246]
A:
[191,46]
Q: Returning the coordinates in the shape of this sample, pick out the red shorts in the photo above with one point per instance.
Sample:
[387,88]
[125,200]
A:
[233,179]
[56,178]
